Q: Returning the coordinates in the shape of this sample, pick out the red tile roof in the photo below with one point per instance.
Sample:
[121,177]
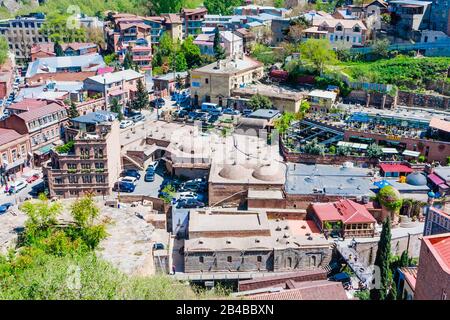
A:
[43,47]
[440,124]
[77,45]
[28,104]
[344,210]
[40,112]
[436,179]
[311,290]
[173,18]
[440,247]
[410,274]
[8,135]
[387,167]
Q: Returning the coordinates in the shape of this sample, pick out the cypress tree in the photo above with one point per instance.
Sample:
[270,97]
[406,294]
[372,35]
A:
[141,100]
[219,52]
[73,111]
[382,260]
[58,49]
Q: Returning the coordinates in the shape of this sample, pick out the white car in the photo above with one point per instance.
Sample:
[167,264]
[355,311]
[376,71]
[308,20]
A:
[187,195]
[18,185]
[125,124]
[153,165]
[129,179]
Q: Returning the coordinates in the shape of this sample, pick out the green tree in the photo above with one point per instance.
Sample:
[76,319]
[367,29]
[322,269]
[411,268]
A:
[110,58]
[318,52]
[223,7]
[259,102]
[180,62]
[219,52]
[191,52]
[41,214]
[382,260]
[314,147]
[374,151]
[157,7]
[381,48]
[282,123]
[3,50]
[58,50]
[128,61]
[141,100]
[116,108]
[179,82]
[168,193]
[57,29]
[73,111]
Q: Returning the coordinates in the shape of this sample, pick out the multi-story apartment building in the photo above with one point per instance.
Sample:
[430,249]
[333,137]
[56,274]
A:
[14,152]
[224,22]
[43,124]
[130,33]
[232,43]
[214,82]
[92,164]
[410,16]
[350,33]
[22,32]
[119,85]
[440,9]
[193,20]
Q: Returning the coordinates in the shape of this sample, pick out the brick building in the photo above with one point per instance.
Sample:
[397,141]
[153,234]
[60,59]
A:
[239,241]
[93,164]
[433,274]
[42,123]
[14,152]
[7,77]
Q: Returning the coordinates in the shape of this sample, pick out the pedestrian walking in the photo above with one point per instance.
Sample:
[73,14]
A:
[173,269]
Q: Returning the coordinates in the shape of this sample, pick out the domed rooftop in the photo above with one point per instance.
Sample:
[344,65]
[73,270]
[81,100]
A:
[268,172]
[416,179]
[232,171]
[191,146]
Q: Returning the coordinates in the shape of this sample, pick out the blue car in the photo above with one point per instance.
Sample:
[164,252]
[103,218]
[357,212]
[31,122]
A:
[122,186]
[149,175]
[4,207]
[231,111]
[131,173]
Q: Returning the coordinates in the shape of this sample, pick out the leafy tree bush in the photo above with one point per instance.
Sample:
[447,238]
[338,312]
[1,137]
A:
[65,148]
[318,52]
[259,102]
[374,151]
[314,147]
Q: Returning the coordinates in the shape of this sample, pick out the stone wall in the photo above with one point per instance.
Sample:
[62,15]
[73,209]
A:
[287,259]
[422,100]
[158,204]
[372,99]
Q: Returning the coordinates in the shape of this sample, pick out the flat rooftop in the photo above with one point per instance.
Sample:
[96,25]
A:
[210,221]
[230,67]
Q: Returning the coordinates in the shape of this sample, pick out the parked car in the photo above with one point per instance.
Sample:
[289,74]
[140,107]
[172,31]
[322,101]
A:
[4,207]
[153,165]
[158,246]
[137,117]
[131,173]
[190,195]
[190,203]
[208,107]
[129,180]
[39,188]
[125,124]
[342,277]
[122,186]
[33,178]
[196,185]
[213,119]
[247,112]
[231,111]
[17,186]
[149,176]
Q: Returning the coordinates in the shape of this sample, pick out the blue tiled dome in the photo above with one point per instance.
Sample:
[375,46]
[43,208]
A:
[416,179]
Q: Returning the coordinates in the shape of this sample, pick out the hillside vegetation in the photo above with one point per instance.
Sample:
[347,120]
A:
[56,260]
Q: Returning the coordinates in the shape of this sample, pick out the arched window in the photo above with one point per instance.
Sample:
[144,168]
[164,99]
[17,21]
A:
[338,28]
[288,262]
[356,29]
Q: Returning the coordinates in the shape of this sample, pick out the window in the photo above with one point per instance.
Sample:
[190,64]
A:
[100,179]
[4,157]
[85,166]
[258,258]
[73,179]
[14,154]
[229,259]
[201,259]
[206,80]
[338,28]
[87,179]
[58,180]
[288,262]
[23,151]
[98,153]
